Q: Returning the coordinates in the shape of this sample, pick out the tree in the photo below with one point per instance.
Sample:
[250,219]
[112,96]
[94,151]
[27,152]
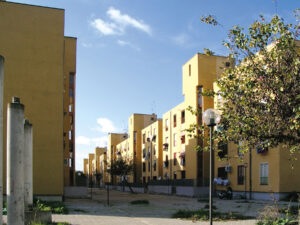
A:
[261,94]
[121,168]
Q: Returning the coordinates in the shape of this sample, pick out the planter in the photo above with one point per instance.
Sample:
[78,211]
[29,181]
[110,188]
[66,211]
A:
[38,216]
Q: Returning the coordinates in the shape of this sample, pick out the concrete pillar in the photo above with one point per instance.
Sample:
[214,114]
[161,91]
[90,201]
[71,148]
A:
[28,164]
[1,132]
[15,173]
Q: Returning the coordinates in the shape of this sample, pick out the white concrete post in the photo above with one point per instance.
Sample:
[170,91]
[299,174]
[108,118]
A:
[28,164]
[1,133]
[15,173]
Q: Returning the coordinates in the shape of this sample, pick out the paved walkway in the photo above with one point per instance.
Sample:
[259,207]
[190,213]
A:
[158,212]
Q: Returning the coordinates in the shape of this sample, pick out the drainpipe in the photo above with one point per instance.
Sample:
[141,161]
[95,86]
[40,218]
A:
[250,174]
[1,133]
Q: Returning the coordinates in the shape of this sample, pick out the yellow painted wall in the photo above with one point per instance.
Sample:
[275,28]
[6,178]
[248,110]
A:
[200,71]
[154,146]
[168,134]
[69,112]
[86,167]
[32,43]
[136,123]
[113,140]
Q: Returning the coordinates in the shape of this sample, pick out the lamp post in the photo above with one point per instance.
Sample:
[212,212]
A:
[211,117]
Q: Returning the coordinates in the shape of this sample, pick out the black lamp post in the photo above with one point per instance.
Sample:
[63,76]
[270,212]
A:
[211,117]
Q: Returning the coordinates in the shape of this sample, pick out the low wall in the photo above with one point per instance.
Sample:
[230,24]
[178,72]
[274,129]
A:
[76,192]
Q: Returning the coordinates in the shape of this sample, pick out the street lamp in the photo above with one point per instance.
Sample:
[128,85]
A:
[211,117]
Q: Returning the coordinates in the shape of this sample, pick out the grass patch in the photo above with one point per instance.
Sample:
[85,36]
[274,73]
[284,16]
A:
[80,210]
[207,207]
[54,207]
[203,214]
[282,221]
[59,223]
[140,202]
[204,200]
[243,201]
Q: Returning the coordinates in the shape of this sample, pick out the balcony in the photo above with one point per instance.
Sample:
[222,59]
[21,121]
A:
[166,164]
[165,146]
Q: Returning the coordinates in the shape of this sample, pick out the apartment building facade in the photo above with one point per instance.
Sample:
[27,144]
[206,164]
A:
[152,155]
[180,158]
[39,61]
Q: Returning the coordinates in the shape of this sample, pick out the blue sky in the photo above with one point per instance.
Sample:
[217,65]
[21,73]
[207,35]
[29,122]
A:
[130,54]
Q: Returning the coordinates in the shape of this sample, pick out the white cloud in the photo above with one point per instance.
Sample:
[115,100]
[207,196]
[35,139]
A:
[125,43]
[104,27]
[100,142]
[81,140]
[126,20]
[106,126]
[118,23]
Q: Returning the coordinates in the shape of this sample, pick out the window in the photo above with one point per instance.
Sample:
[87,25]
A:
[175,176]
[70,108]
[154,165]
[222,173]
[144,138]
[167,124]
[183,174]
[144,167]
[182,139]
[227,64]
[175,159]
[144,179]
[149,166]
[134,136]
[264,173]
[222,149]
[182,161]
[70,135]
[241,175]
[199,94]
[175,140]
[167,140]
[144,153]
[71,92]
[174,121]
[154,150]
[190,70]
[182,116]
[71,79]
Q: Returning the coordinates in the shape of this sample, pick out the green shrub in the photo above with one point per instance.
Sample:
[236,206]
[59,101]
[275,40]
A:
[203,214]
[140,202]
[282,221]
[54,207]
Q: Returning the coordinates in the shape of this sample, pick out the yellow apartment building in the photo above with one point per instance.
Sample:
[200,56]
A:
[137,122]
[86,167]
[261,173]
[174,154]
[152,140]
[91,168]
[113,140]
[123,152]
[180,159]
[103,169]
[96,165]
[69,110]
[129,146]
[39,64]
